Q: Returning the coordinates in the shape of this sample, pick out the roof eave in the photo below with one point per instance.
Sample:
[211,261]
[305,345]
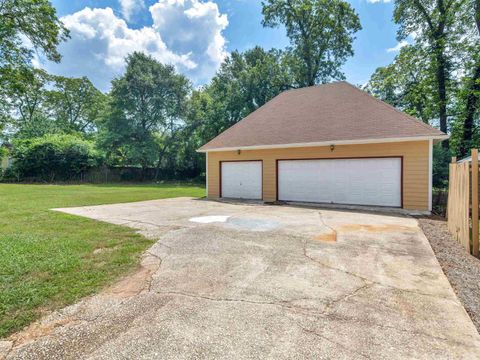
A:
[438,138]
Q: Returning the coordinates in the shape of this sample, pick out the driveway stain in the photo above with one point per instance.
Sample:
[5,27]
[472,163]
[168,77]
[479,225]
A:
[253,224]
[328,237]
[385,228]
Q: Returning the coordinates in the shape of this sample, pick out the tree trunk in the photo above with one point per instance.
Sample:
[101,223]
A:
[441,88]
[473,97]
[159,161]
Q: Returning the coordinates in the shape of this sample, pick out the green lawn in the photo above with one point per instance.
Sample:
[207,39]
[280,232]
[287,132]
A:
[46,257]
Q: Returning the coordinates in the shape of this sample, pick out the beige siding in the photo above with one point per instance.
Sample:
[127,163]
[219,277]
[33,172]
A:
[415,166]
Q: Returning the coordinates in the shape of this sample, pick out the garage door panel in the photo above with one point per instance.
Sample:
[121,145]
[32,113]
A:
[241,180]
[375,181]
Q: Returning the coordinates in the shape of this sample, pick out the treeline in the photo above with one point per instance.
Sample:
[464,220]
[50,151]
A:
[154,118]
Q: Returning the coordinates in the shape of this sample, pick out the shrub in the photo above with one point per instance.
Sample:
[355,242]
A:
[53,157]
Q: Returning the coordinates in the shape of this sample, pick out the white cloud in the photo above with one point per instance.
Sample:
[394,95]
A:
[131,7]
[378,1]
[193,26]
[397,47]
[185,33]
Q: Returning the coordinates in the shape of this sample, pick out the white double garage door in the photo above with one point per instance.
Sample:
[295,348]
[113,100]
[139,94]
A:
[366,181]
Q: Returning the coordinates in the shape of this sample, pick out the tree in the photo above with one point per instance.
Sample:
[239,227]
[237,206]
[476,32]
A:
[246,81]
[75,104]
[35,20]
[147,103]
[23,95]
[407,83]
[25,26]
[471,92]
[432,22]
[321,33]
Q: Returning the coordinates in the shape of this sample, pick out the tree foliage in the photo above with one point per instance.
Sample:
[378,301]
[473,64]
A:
[466,130]
[407,83]
[35,20]
[36,103]
[321,33]
[147,104]
[433,24]
[244,82]
[75,104]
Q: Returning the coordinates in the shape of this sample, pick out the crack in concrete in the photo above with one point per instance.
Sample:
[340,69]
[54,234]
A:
[277,302]
[157,226]
[320,215]
[209,298]
[346,296]
[342,346]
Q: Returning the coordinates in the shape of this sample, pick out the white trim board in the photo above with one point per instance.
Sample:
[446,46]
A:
[430,174]
[332,142]
[206,175]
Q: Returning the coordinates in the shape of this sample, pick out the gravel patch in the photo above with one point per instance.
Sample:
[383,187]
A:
[461,268]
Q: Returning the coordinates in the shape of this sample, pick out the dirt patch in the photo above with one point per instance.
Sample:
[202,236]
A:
[37,330]
[377,228]
[461,268]
[329,237]
[139,281]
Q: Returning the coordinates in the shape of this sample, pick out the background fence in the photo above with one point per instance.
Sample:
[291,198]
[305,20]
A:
[462,209]
[110,174]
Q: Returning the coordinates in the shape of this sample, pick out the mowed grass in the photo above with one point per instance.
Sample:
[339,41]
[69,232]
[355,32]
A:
[47,258]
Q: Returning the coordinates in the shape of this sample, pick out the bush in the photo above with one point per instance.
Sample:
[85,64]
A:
[53,157]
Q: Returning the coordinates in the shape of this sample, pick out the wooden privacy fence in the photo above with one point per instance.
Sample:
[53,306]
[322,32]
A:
[462,209]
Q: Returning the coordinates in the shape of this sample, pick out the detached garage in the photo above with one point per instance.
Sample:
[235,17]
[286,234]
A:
[325,144]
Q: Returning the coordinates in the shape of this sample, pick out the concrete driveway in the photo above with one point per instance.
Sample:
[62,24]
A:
[246,281]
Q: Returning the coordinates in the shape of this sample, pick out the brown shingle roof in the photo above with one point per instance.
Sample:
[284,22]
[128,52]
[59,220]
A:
[332,112]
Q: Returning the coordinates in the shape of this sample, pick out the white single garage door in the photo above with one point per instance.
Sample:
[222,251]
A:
[373,181]
[241,179]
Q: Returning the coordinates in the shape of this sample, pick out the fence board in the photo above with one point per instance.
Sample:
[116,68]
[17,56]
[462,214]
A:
[459,203]
[475,202]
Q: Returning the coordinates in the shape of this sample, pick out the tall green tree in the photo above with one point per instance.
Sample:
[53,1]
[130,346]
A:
[35,20]
[432,23]
[147,104]
[75,104]
[321,33]
[407,83]
[246,81]
[25,26]
[470,94]
[25,94]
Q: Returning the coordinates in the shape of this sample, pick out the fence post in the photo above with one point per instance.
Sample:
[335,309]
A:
[475,202]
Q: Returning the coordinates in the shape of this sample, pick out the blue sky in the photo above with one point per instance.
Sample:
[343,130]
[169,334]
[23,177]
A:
[195,35]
